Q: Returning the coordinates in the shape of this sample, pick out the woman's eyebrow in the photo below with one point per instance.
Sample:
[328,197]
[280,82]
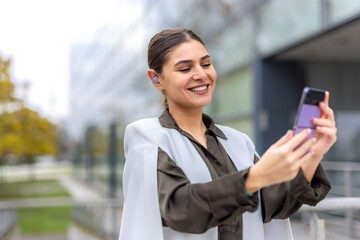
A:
[182,61]
[189,61]
[206,56]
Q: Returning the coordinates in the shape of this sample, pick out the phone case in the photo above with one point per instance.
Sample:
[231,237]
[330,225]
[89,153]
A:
[308,109]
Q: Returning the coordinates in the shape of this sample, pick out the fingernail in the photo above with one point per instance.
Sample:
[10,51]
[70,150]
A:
[287,133]
[314,139]
[318,128]
[313,152]
[309,130]
[316,119]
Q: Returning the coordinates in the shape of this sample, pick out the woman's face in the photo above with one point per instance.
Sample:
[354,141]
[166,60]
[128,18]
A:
[188,77]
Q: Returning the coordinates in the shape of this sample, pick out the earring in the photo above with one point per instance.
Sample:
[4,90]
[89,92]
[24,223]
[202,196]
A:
[156,80]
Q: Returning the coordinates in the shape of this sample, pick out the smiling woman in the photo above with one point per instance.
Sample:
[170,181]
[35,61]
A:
[187,178]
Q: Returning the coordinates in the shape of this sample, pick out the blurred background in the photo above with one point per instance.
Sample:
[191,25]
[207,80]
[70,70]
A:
[73,75]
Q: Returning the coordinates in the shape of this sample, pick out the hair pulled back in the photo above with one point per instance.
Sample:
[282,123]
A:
[163,42]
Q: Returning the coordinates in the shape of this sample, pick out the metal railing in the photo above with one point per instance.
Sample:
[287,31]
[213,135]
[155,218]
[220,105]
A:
[8,219]
[349,170]
[102,219]
[317,225]
[344,211]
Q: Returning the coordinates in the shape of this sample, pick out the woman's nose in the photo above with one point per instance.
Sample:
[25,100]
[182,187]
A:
[199,73]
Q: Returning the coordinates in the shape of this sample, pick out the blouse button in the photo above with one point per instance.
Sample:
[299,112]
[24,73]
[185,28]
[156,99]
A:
[228,229]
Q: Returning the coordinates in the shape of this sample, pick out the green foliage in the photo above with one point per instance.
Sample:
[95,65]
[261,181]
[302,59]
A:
[47,221]
[23,132]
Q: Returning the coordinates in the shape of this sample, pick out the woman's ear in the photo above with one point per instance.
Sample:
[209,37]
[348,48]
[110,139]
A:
[155,78]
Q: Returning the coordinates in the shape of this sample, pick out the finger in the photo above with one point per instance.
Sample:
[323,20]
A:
[284,138]
[304,148]
[326,101]
[329,131]
[297,139]
[323,122]
[327,111]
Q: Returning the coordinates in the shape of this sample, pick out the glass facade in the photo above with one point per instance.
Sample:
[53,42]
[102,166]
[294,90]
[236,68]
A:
[281,23]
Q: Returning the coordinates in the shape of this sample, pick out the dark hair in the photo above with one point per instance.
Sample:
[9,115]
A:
[162,44]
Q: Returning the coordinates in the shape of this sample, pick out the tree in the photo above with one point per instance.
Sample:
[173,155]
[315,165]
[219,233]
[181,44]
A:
[23,132]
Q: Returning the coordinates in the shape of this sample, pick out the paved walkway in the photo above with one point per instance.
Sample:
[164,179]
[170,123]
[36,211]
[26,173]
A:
[79,191]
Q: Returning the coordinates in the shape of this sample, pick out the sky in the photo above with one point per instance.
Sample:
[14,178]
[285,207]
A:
[36,35]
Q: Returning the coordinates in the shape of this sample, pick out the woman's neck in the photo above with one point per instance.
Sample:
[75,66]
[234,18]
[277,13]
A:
[189,120]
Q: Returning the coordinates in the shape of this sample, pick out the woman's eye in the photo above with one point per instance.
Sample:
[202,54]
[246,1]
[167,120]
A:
[206,65]
[184,69]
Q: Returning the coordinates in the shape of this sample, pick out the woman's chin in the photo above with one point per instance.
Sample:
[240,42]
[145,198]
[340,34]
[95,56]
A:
[202,103]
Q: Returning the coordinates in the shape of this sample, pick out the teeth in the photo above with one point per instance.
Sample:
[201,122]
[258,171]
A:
[199,89]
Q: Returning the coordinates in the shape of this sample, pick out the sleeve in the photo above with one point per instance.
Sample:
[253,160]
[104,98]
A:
[141,204]
[282,200]
[194,208]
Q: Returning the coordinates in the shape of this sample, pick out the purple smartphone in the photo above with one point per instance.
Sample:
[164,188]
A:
[308,109]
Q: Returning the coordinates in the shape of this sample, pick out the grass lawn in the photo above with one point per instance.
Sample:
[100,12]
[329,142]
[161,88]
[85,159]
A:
[32,189]
[46,220]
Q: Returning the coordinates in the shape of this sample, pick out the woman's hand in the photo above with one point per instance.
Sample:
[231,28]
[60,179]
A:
[325,128]
[281,162]
[325,135]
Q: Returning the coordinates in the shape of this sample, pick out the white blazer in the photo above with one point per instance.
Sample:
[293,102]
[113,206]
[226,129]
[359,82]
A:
[141,219]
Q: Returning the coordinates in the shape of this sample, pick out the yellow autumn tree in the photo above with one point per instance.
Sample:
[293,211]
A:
[24,134]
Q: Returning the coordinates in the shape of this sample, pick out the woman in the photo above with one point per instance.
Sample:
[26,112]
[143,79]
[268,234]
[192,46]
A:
[187,178]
